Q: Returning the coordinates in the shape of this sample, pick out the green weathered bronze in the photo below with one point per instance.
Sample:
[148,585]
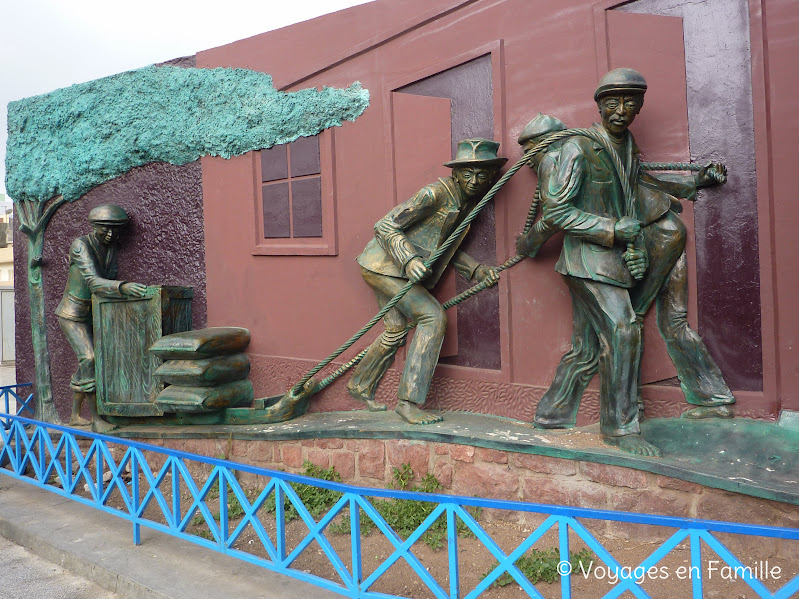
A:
[403,238]
[623,249]
[206,370]
[34,217]
[184,399]
[295,402]
[124,329]
[201,343]
[92,271]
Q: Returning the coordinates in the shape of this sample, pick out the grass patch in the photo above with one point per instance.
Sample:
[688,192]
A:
[316,499]
[542,566]
[406,515]
[403,515]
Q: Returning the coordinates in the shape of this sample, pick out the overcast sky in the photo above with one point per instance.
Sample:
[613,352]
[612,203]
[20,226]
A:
[48,44]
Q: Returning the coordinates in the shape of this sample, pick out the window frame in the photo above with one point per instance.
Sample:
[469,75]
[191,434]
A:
[327,244]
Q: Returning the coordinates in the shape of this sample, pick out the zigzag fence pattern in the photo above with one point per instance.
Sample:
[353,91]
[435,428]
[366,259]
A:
[174,492]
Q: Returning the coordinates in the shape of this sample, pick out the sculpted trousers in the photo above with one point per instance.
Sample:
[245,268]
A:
[80,337]
[666,283]
[611,342]
[418,306]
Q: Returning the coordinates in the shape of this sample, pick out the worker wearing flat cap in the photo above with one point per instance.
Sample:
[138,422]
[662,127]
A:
[92,270]
[617,258]
[544,164]
[404,238]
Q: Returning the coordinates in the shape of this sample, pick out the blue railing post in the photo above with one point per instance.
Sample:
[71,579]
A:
[7,404]
[355,541]
[134,492]
[28,454]
[280,521]
[176,511]
[565,558]
[223,515]
[696,564]
[100,463]
[452,550]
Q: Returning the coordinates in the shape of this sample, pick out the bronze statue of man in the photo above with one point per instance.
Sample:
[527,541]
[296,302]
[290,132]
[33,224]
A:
[617,258]
[404,238]
[544,164]
[92,270]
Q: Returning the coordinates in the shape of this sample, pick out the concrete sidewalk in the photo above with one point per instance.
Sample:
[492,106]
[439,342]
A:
[99,547]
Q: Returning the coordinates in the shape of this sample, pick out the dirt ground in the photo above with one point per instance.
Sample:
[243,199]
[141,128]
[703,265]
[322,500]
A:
[671,580]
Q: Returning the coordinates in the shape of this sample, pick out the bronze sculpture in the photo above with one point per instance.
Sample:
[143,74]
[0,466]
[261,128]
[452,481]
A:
[92,270]
[596,192]
[403,239]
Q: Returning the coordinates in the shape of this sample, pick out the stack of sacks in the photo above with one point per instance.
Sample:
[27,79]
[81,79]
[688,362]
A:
[205,370]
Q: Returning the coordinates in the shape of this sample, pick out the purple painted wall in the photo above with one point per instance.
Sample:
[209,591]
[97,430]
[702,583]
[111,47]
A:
[164,244]
[468,86]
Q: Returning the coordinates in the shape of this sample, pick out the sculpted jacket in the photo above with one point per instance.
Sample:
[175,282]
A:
[583,197]
[418,227]
[89,273]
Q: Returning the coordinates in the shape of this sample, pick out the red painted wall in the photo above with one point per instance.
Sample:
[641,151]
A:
[545,57]
[777,196]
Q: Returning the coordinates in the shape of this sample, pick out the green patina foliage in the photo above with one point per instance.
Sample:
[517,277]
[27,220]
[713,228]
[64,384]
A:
[73,139]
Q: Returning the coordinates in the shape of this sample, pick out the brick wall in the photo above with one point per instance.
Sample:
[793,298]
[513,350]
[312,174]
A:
[475,471]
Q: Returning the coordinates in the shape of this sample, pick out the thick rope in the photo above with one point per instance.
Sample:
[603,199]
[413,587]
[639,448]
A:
[683,166]
[428,263]
[463,296]
[474,290]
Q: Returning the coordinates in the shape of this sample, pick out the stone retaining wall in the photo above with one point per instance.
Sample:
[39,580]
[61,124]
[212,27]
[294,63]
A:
[475,471]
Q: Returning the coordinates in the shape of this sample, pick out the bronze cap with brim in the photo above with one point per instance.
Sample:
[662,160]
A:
[620,81]
[543,124]
[477,152]
[108,214]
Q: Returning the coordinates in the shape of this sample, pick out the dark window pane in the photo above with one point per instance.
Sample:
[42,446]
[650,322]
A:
[304,156]
[274,165]
[306,204]
[276,210]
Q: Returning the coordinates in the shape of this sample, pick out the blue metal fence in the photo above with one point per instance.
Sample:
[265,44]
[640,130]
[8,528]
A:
[16,393]
[159,490]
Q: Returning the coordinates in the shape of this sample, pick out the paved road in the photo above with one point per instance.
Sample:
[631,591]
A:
[24,575]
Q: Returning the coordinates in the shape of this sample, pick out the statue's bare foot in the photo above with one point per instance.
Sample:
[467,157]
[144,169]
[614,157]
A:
[369,402]
[374,406]
[700,412]
[102,426]
[78,420]
[413,415]
[551,425]
[634,444]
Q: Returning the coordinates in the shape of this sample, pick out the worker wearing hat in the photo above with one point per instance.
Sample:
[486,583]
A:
[404,238]
[616,259]
[544,164]
[92,270]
